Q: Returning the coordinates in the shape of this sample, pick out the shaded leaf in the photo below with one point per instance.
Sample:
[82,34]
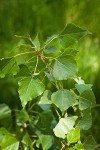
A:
[49,76]
[86,100]
[42,123]
[90,143]
[64,67]
[8,66]
[29,88]
[63,126]
[22,117]
[86,121]
[24,71]
[63,99]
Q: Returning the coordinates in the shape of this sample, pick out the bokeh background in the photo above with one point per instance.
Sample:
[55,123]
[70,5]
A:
[47,17]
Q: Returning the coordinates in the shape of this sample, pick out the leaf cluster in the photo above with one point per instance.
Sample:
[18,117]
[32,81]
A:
[52,116]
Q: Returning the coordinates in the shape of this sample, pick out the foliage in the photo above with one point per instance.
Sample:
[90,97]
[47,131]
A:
[48,115]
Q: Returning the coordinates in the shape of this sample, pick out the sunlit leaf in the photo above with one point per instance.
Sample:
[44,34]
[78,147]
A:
[63,99]
[64,67]
[29,88]
[52,51]
[5,111]
[45,99]
[8,66]
[50,39]
[8,140]
[67,41]
[75,31]
[46,141]
[83,87]
[36,43]
[85,121]
[73,135]
[63,126]
[79,146]
[26,140]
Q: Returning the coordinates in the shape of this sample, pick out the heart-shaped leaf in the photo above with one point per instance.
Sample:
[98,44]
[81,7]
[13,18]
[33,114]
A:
[64,125]
[63,99]
[87,99]
[8,141]
[8,66]
[64,67]
[73,135]
[29,88]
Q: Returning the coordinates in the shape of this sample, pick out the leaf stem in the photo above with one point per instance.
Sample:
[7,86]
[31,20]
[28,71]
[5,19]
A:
[36,65]
[23,54]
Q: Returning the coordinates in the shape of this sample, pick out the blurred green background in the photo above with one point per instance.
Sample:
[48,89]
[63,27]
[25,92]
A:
[47,17]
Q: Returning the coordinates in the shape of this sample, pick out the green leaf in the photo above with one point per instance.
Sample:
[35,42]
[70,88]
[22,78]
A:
[83,87]
[26,140]
[8,66]
[52,51]
[63,126]
[86,100]
[79,146]
[45,99]
[24,71]
[46,141]
[43,123]
[50,39]
[66,41]
[75,31]
[5,111]
[26,58]
[8,141]
[63,99]
[64,67]
[29,88]
[21,117]
[36,43]
[73,135]
[86,121]
[90,143]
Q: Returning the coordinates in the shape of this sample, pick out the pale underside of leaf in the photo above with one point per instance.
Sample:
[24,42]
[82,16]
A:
[63,126]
